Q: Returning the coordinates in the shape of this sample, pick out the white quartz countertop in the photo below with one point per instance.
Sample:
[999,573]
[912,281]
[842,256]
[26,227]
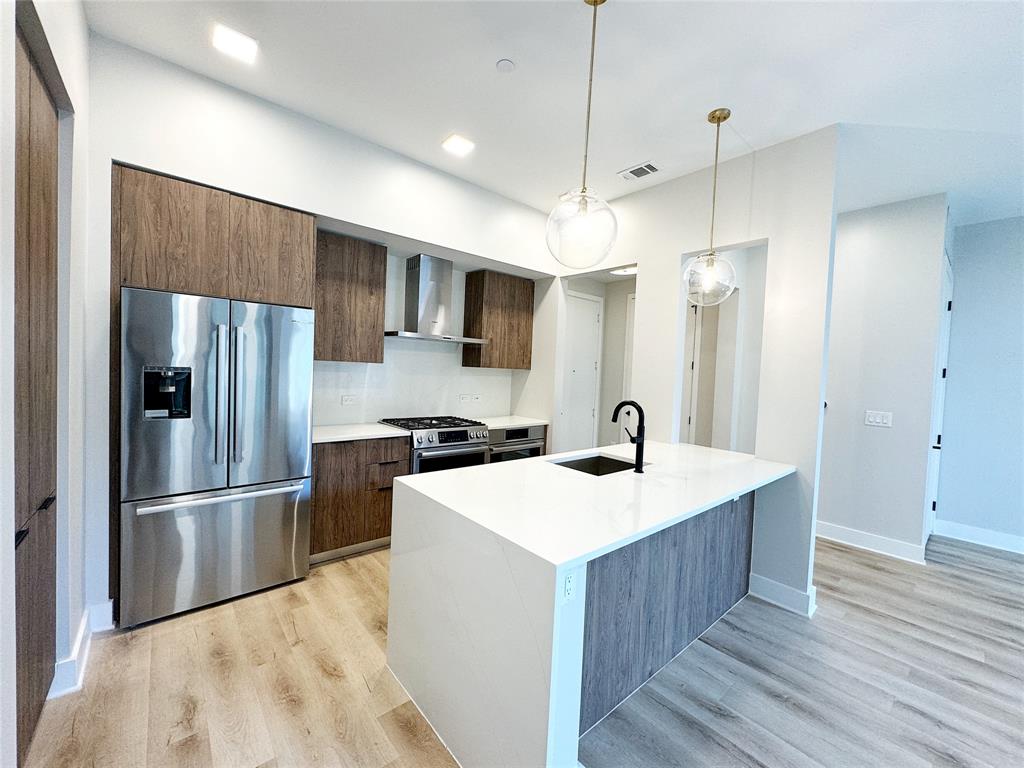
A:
[568,517]
[339,433]
[512,422]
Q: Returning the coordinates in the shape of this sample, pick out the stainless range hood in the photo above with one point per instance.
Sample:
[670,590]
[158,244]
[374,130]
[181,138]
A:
[428,301]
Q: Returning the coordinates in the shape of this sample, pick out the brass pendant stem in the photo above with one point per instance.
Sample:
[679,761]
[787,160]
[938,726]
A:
[590,93]
[714,189]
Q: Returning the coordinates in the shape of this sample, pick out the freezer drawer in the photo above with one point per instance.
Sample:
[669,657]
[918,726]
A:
[183,552]
[272,392]
[174,378]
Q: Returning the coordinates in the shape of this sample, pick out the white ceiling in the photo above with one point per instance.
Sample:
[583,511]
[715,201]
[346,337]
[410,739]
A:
[406,74]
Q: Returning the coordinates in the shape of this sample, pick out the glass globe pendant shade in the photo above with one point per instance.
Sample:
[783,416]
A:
[581,229]
[709,279]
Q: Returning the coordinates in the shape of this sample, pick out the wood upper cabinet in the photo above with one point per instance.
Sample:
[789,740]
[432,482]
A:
[271,252]
[173,234]
[499,308]
[348,298]
[352,487]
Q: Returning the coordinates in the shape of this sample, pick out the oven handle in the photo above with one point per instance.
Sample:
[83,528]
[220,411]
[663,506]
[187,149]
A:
[524,445]
[439,453]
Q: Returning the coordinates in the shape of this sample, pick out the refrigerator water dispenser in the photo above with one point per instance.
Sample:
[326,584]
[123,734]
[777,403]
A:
[166,392]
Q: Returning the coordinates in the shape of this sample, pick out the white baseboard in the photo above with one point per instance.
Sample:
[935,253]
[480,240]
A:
[69,672]
[783,595]
[983,536]
[872,542]
[101,616]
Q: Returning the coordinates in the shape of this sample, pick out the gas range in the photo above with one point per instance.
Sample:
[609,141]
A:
[432,431]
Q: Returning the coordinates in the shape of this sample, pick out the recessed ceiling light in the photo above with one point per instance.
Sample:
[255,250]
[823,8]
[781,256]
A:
[505,66]
[624,271]
[459,146]
[234,44]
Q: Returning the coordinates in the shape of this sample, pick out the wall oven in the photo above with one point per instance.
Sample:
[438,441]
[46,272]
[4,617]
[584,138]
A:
[516,443]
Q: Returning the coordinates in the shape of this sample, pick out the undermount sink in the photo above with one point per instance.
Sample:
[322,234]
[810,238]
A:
[596,464]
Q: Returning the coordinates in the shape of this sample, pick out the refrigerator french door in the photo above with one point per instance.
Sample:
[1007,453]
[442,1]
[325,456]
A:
[216,412]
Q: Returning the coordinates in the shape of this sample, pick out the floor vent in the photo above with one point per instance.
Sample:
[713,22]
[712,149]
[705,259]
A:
[638,171]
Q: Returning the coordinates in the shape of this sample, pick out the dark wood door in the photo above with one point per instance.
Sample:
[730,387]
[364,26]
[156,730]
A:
[35,619]
[352,488]
[35,417]
[272,253]
[173,234]
[349,299]
[499,308]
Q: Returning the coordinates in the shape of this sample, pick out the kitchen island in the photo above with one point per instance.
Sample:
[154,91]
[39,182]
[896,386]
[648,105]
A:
[528,599]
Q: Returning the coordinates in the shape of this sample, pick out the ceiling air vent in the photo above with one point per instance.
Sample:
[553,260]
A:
[638,171]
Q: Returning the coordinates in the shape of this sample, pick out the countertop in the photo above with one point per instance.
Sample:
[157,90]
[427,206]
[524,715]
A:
[511,422]
[339,433]
[568,517]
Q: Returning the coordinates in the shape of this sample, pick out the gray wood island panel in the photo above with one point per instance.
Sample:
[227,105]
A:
[648,600]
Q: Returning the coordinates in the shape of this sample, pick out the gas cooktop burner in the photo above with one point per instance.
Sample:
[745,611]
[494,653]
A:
[432,422]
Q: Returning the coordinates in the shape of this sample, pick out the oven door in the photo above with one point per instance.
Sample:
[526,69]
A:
[436,459]
[523,449]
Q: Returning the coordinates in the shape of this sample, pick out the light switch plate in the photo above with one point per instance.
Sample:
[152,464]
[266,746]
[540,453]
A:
[476,398]
[465,398]
[878,418]
[348,400]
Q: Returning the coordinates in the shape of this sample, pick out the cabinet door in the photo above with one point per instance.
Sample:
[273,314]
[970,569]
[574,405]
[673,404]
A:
[35,289]
[349,299]
[338,517]
[35,619]
[271,253]
[499,308]
[174,234]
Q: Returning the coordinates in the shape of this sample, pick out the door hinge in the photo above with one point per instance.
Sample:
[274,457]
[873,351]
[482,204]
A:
[938,439]
[949,305]
[691,365]
[943,373]
[933,506]
[689,420]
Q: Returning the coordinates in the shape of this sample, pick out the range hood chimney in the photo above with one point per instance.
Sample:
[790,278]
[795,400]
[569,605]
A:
[428,301]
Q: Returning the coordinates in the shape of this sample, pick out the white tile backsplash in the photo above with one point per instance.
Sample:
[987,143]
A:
[417,378]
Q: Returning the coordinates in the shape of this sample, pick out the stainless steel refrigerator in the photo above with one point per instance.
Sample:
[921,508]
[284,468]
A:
[216,414]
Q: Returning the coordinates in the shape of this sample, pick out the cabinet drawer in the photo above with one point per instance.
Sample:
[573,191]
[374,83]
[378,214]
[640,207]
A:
[388,449]
[381,476]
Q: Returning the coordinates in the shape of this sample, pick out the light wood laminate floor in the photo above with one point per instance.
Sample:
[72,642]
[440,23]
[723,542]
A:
[901,666]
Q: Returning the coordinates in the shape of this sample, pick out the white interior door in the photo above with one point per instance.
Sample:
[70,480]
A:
[582,371]
[938,401]
[627,418]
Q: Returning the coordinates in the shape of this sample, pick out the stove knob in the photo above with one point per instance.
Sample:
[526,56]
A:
[430,438]
[419,438]
[474,435]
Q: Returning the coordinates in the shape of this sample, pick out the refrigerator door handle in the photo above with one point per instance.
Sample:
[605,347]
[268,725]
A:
[236,438]
[217,499]
[221,403]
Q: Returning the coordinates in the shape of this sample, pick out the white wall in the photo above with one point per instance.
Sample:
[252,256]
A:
[537,392]
[886,299]
[981,490]
[156,115]
[613,357]
[783,194]
[417,378]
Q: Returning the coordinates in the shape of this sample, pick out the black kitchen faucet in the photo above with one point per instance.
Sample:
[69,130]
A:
[638,439]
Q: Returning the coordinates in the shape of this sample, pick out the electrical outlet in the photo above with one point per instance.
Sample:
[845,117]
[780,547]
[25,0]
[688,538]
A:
[476,398]
[570,586]
[878,418]
[465,398]
[348,400]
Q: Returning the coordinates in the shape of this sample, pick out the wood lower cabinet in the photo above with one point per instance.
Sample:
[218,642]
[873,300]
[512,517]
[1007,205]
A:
[348,298]
[271,252]
[499,308]
[35,381]
[173,234]
[352,488]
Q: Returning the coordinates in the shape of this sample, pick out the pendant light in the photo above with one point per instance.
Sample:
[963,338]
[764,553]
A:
[582,227]
[709,278]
